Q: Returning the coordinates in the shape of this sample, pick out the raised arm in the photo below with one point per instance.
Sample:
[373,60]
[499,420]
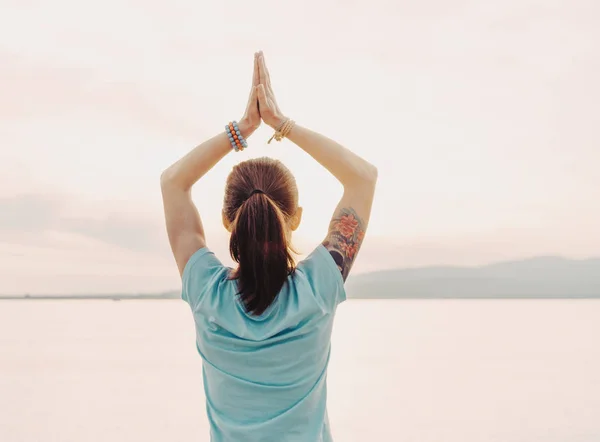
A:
[184,226]
[349,222]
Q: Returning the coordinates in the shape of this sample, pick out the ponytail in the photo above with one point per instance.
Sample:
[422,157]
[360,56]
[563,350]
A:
[259,245]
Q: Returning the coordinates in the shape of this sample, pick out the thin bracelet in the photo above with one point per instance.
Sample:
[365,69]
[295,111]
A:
[281,125]
[283,130]
[277,130]
[287,128]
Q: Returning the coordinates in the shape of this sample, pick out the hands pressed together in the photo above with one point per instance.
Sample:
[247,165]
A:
[261,102]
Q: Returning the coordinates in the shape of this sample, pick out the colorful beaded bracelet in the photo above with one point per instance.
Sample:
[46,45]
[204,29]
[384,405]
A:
[236,139]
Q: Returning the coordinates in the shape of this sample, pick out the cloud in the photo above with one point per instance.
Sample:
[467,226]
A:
[26,218]
[134,233]
[29,212]
[41,88]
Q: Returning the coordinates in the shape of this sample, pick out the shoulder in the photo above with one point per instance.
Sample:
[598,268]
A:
[203,258]
[202,273]
[320,259]
[323,275]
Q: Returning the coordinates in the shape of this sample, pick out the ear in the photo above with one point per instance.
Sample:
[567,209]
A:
[226,222]
[295,220]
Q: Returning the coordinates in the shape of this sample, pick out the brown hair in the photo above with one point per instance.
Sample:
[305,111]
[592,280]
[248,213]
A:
[260,197]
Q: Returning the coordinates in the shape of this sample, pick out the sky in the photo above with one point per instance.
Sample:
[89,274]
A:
[481,117]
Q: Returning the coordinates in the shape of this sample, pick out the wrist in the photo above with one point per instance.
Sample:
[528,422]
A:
[246,129]
[278,122]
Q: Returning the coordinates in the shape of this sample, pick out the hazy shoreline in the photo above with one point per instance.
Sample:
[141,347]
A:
[116,297]
[535,278]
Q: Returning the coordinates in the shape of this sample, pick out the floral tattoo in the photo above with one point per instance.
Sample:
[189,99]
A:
[346,233]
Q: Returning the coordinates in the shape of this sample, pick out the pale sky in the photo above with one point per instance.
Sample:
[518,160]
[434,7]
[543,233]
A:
[482,118]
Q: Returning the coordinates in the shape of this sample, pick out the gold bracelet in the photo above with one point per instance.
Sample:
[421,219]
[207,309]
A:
[287,128]
[277,131]
[283,130]
[281,125]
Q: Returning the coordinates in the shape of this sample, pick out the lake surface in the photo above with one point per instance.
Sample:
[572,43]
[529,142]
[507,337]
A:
[422,371]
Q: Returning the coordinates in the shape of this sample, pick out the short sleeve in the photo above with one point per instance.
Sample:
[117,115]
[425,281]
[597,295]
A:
[201,274]
[324,276]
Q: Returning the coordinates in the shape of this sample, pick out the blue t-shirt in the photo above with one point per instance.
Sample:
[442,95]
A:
[265,376]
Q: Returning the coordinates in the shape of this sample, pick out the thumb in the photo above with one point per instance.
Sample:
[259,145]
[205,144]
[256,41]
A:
[253,98]
[262,98]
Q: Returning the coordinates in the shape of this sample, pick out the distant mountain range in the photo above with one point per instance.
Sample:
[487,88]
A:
[542,277]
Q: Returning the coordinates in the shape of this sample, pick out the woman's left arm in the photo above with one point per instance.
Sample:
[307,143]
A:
[184,227]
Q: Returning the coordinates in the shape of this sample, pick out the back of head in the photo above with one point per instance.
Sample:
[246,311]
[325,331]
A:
[261,197]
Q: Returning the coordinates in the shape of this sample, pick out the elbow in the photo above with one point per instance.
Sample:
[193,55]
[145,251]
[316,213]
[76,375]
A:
[172,181]
[368,174]
[168,180]
[363,179]
[372,173]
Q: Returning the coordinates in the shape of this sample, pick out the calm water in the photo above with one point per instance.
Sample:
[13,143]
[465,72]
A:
[444,371]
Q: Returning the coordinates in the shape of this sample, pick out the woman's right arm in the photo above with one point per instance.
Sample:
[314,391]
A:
[351,216]
[349,222]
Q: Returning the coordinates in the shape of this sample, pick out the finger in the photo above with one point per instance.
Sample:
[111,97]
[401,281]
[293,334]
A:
[264,70]
[253,98]
[255,81]
[262,76]
[263,61]
[262,95]
[254,95]
[255,75]
[267,76]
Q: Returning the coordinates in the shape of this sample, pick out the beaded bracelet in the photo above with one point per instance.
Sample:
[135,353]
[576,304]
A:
[238,142]
[283,130]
